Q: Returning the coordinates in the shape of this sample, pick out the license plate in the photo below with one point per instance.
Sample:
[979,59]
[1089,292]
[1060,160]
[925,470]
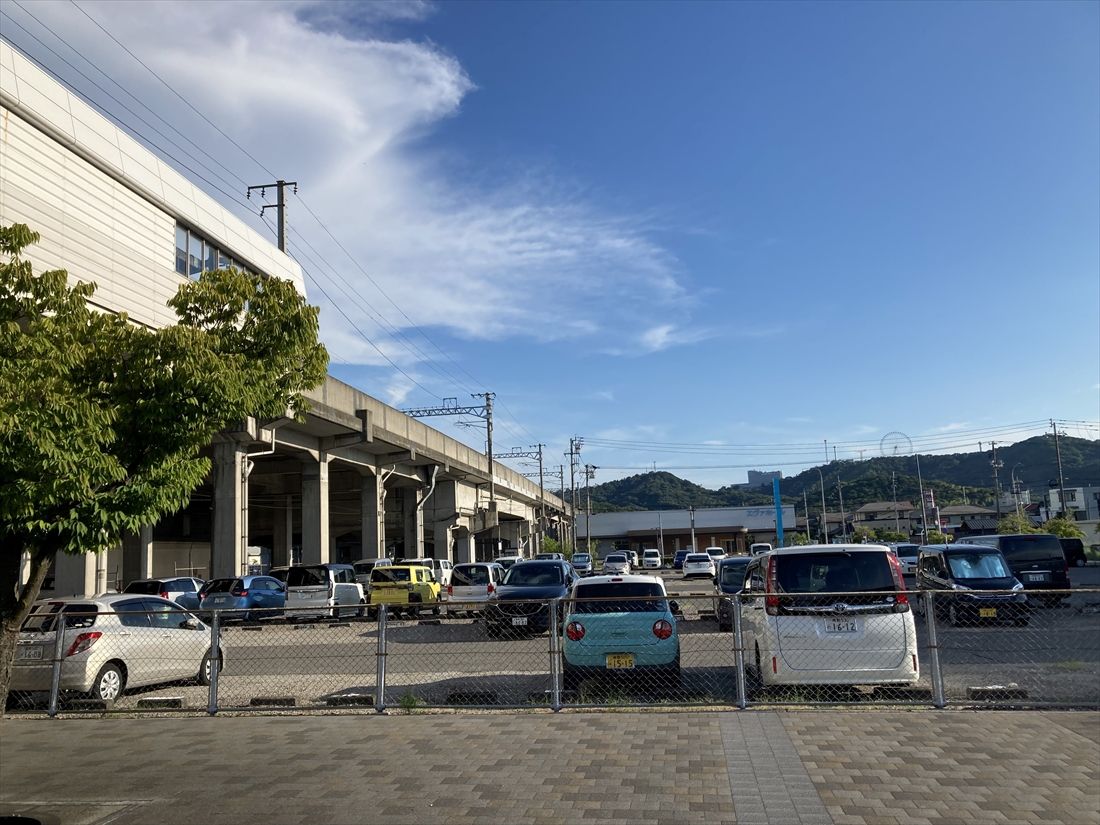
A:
[987,612]
[520,622]
[840,626]
[30,653]
[620,661]
[1036,577]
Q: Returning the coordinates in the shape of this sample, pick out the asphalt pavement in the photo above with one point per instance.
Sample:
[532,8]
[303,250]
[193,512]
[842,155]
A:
[659,768]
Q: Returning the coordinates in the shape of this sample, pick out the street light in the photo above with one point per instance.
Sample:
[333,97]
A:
[691,512]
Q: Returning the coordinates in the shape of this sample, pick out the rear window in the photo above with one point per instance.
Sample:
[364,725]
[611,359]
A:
[534,574]
[221,585]
[581,558]
[651,553]
[470,576]
[697,557]
[307,577]
[907,551]
[182,585]
[615,557]
[1031,548]
[834,573]
[639,597]
[150,588]
[44,616]
[733,574]
[390,574]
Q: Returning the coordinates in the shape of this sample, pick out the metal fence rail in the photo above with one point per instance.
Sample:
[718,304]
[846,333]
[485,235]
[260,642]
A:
[979,648]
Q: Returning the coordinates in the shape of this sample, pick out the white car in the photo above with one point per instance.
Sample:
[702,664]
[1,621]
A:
[858,631]
[756,548]
[167,588]
[616,564]
[907,555]
[651,559]
[716,554]
[112,643]
[441,568]
[363,569]
[698,564]
[472,585]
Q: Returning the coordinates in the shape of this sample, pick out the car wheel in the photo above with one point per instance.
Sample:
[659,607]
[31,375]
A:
[437,609]
[754,679]
[109,683]
[362,609]
[203,677]
[1081,562]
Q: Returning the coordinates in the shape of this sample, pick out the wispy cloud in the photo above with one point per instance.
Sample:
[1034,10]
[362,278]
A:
[955,425]
[486,255]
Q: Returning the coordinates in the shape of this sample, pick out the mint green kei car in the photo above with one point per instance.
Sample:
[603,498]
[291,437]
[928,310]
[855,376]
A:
[620,626]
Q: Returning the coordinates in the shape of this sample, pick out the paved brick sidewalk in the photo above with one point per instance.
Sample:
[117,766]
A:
[750,768]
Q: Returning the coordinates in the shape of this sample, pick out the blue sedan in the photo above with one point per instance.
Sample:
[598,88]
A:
[248,597]
[621,625]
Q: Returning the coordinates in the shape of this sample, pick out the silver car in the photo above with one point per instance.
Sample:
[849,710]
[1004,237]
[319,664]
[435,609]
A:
[112,643]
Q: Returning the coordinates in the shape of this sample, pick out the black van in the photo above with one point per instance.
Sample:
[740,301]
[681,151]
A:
[955,571]
[1036,559]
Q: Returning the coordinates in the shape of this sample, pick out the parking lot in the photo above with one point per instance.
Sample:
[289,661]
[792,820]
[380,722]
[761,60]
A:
[450,661]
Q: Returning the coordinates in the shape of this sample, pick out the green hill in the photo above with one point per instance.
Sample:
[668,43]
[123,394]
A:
[956,478]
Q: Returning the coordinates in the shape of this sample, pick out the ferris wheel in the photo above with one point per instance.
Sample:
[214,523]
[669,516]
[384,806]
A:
[896,444]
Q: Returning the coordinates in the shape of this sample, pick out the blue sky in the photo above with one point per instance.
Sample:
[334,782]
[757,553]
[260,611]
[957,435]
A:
[740,223]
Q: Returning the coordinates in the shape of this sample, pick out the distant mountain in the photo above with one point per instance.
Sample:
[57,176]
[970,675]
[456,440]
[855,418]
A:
[955,478]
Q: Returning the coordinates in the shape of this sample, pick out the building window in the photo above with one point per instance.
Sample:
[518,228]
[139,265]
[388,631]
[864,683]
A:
[195,255]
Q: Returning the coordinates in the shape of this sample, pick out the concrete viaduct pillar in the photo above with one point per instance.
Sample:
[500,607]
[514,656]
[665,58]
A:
[371,510]
[315,512]
[137,555]
[413,521]
[228,538]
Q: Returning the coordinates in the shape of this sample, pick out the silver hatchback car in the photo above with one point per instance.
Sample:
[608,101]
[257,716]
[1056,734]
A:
[112,643]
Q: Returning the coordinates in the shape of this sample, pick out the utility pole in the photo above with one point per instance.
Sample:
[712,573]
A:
[1061,479]
[923,506]
[806,507]
[894,484]
[996,465]
[279,206]
[534,451]
[824,513]
[843,517]
[691,512]
[589,474]
[574,450]
[660,537]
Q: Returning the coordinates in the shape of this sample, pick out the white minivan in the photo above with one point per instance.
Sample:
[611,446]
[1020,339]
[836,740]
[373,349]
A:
[440,567]
[651,559]
[828,614]
[323,590]
[472,585]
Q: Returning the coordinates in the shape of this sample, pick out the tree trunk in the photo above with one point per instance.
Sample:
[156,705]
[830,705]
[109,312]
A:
[15,604]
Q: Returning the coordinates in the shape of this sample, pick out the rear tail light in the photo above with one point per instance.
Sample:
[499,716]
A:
[771,600]
[331,589]
[238,592]
[575,631]
[901,601]
[662,628]
[164,594]
[914,655]
[775,664]
[490,589]
[83,642]
[450,590]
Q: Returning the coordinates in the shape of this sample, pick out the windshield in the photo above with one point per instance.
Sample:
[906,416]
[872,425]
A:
[907,551]
[390,574]
[977,566]
[43,617]
[615,558]
[858,572]
[148,588]
[307,577]
[581,558]
[220,586]
[642,597]
[697,558]
[534,575]
[733,575]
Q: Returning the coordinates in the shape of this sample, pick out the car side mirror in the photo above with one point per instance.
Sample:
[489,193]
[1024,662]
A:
[190,624]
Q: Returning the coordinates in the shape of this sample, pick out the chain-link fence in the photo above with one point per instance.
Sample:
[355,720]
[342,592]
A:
[954,648]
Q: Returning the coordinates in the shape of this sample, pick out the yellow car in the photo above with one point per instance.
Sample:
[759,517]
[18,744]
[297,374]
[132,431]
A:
[404,587]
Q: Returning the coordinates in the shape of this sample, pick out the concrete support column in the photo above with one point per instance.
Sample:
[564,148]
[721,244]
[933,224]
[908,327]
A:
[282,529]
[227,540]
[137,555]
[441,533]
[315,520]
[413,521]
[464,547]
[75,575]
[370,509]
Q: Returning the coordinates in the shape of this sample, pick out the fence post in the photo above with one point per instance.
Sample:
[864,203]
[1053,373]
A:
[58,653]
[215,648]
[380,666]
[555,645]
[739,652]
[938,699]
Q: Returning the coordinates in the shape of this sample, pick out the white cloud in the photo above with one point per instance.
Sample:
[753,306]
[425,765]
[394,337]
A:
[327,95]
[955,425]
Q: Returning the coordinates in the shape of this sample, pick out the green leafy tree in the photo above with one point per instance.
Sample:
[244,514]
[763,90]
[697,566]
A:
[1063,528]
[862,534]
[1016,523]
[938,537]
[102,420]
[799,539]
